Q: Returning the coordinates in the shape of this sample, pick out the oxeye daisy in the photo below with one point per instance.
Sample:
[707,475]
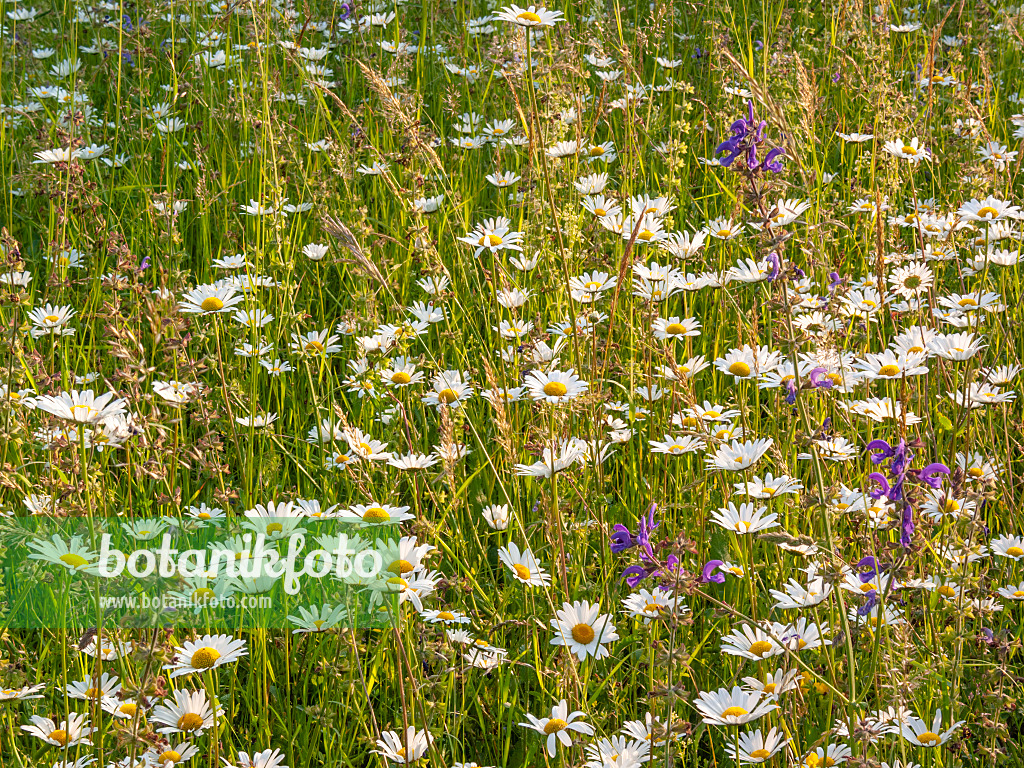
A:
[71,554]
[208,652]
[523,565]
[753,747]
[172,754]
[776,683]
[268,758]
[735,707]
[529,17]
[81,407]
[23,693]
[315,344]
[738,455]
[677,446]
[1012,591]
[653,604]
[797,596]
[92,689]
[555,387]
[376,513]
[723,229]
[675,328]
[559,726]
[601,206]
[496,516]
[748,362]
[751,643]
[210,300]
[582,628]
[1011,547]
[188,712]
[68,733]
[916,731]
[450,388]
[448,618]
[910,150]
[769,487]
[745,518]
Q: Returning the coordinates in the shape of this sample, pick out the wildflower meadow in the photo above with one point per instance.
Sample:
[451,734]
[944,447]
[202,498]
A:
[602,384]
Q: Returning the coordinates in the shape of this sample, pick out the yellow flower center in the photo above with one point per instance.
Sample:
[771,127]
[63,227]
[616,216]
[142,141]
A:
[1014,552]
[529,16]
[760,648]
[205,658]
[274,528]
[596,151]
[128,708]
[928,739]
[968,302]
[735,712]
[447,396]
[75,561]
[170,756]
[190,721]
[674,329]
[583,634]
[769,688]
[739,368]
[446,616]
[555,389]
[93,693]
[769,491]
[988,212]
[952,506]
[51,318]
[908,150]
[889,370]
[60,736]
[645,235]
[376,515]
[400,567]
[725,434]
[598,212]
[724,232]
[211,304]
[401,377]
[319,623]
[314,346]
[554,725]
[975,472]
[521,571]
[592,286]
[1019,593]
[202,595]
[761,754]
